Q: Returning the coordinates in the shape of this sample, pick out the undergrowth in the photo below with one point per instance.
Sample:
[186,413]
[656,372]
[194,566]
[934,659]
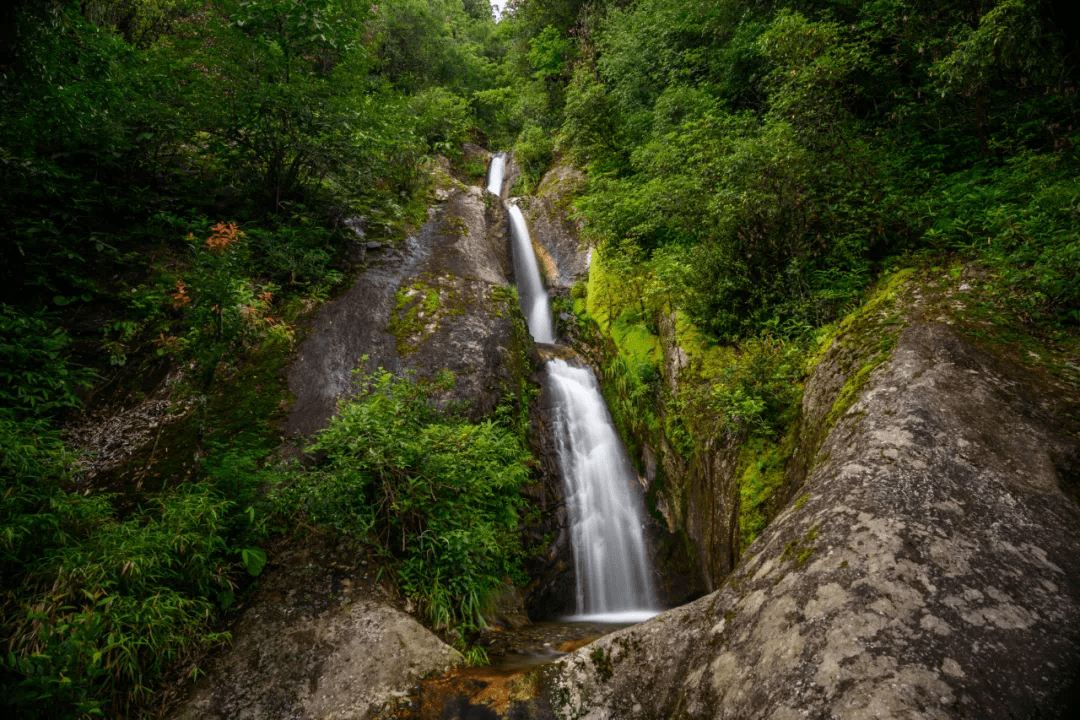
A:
[435,493]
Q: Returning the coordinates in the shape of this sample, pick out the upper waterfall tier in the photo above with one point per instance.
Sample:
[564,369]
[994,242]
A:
[534,298]
[495,173]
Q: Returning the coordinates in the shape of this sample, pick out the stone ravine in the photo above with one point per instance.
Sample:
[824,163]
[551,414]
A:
[929,567]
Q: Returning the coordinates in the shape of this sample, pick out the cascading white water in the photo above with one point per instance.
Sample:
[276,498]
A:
[614,582]
[495,174]
[533,296]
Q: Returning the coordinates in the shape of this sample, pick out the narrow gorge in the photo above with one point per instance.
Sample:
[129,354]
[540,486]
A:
[540,360]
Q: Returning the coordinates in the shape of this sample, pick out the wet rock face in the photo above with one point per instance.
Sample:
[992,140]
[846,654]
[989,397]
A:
[432,305]
[320,640]
[928,568]
[558,238]
[552,593]
[702,496]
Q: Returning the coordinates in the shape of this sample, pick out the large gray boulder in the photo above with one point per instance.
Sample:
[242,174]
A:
[321,640]
[928,568]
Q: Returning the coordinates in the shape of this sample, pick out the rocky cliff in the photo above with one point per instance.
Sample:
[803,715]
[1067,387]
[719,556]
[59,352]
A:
[438,303]
[927,566]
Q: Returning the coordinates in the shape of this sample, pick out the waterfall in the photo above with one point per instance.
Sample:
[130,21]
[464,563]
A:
[614,582]
[533,296]
[495,174]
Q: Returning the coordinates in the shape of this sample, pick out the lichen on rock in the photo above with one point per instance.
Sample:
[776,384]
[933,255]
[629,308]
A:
[928,569]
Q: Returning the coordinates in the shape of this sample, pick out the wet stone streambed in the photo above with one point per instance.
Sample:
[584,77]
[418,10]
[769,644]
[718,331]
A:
[540,642]
[490,691]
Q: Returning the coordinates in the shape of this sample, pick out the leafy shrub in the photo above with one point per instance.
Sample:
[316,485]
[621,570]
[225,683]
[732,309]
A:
[435,492]
[760,390]
[299,254]
[534,152]
[224,311]
[440,119]
[96,607]
[35,378]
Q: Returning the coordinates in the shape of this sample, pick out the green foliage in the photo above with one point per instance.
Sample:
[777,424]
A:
[435,492]
[762,475]
[549,53]
[96,606]
[1020,216]
[284,115]
[35,378]
[441,119]
[534,152]
[300,254]
[126,127]
[760,389]
[792,149]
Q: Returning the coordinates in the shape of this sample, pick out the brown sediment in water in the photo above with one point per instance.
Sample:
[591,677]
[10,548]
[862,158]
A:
[572,645]
[518,658]
[491,687]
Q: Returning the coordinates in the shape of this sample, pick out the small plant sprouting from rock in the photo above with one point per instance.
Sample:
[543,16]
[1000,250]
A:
[602,662]
[801,548]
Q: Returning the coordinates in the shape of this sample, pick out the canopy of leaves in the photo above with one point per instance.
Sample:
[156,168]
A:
[790,150]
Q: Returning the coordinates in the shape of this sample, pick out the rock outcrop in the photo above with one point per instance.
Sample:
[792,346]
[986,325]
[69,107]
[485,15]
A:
[928,567]
[557,237]
[321,640]
[437,304]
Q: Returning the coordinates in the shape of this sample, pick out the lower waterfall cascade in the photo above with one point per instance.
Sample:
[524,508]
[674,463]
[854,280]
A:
[613,577]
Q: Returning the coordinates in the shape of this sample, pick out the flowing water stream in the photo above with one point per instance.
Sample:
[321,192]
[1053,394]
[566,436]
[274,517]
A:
[495,173]
[614,580]
[531,292]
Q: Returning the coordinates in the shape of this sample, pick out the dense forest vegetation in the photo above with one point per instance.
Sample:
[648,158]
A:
[179,177]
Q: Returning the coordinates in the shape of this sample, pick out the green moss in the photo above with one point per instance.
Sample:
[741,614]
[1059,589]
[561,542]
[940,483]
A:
[636,344]
[880,311]
[853,389]
[990,311]
[473,169]
[598,301]
[868,336]
[431,300]
[800,549]
[456,226]
[602,662]
[420,308]
[761,475]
